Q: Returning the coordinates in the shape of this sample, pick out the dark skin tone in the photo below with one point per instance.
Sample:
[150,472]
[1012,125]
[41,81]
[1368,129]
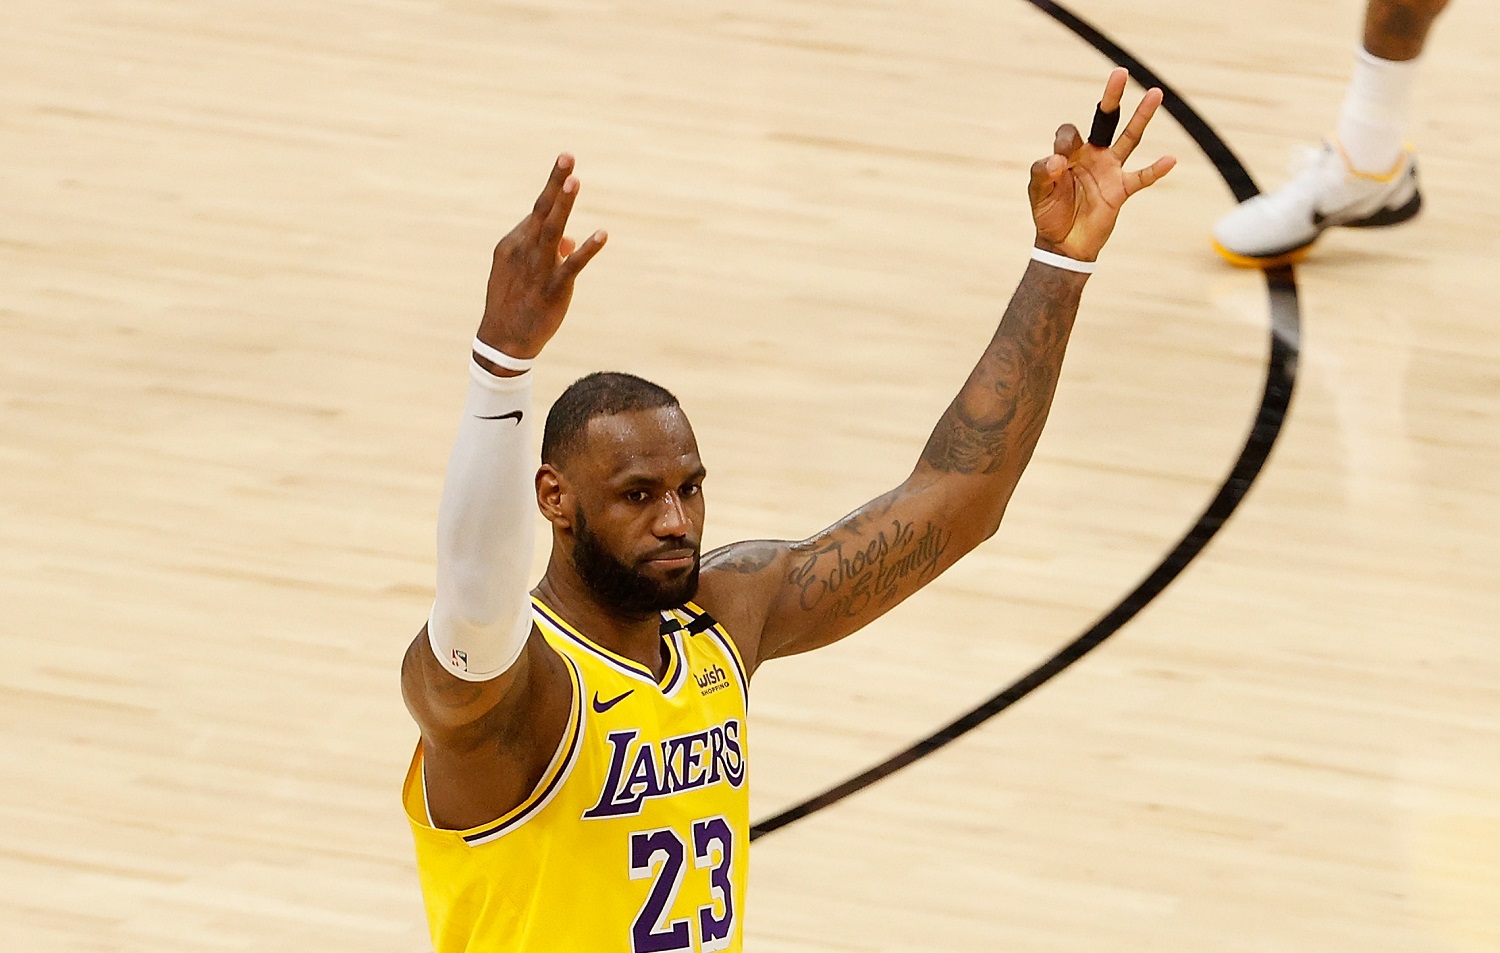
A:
[1397,29]
[637,480]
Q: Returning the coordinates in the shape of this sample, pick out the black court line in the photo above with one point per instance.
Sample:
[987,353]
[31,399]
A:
[1281,374]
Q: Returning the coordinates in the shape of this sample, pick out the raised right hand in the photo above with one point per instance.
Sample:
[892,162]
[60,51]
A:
[531,279]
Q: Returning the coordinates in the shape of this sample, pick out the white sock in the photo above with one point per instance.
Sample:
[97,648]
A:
[1373,120]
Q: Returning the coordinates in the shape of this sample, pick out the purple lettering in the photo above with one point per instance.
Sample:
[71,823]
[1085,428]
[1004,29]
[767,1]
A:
[667,767]
[715,753]
[696,775]
[608,805]
[734,755]
[672,776]
[643,775]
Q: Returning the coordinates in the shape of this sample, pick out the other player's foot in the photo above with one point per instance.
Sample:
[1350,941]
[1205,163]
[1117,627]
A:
[1278,228]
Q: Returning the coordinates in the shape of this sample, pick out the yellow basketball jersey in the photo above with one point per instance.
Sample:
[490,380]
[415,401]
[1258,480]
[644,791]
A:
[637,838]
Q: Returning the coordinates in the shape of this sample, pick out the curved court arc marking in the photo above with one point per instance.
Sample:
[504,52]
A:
[1281,373]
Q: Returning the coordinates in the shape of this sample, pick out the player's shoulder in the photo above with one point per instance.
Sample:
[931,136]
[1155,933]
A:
[738,584]
[747,558]
[744,575]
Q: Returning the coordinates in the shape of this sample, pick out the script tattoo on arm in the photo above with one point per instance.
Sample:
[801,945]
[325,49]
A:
[842,577]
[845,577]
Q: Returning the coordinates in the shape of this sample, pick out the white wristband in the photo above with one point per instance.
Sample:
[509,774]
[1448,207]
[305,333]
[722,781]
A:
[500,359]
[1063,262]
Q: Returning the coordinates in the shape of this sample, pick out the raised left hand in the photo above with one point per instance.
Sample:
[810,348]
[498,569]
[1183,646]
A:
[1077,192]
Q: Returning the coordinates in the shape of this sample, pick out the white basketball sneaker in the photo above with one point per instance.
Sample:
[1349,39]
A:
[1278,228]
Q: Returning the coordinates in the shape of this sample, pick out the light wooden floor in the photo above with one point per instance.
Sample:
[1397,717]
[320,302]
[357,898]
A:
[242,247]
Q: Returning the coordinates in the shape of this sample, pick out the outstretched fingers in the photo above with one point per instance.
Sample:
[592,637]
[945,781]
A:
[1149,176]
[574,261]
[551,232]
[542,209]
[1136,128]
[542,231]
[1114,89]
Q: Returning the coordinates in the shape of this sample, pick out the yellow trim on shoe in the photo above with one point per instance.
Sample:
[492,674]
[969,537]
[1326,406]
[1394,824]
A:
[1385,177]
[1292,257]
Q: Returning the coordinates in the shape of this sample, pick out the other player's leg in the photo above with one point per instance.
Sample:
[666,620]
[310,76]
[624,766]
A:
[1365,175]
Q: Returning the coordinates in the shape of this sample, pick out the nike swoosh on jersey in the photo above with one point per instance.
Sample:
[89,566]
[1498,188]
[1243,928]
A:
[602,707]
[515,414]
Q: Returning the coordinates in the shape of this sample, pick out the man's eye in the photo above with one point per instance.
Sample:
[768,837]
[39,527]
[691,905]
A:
[637,496]
[691,489]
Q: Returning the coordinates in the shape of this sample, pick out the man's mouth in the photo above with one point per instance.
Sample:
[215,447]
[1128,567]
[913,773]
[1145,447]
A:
[679,558]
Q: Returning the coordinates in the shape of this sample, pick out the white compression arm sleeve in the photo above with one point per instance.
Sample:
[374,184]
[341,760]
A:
[481,615]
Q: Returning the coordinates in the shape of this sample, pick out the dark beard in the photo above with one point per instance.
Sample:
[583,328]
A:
[621,588]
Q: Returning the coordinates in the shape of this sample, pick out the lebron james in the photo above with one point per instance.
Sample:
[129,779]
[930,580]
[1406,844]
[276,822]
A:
[581,781]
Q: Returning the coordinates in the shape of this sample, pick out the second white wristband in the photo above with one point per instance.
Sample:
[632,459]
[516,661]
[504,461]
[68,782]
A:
[1063,262]
[500,359]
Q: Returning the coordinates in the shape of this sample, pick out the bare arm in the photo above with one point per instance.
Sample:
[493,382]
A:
[788,597]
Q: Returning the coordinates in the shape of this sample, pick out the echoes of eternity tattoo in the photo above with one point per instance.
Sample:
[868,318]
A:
[841,581]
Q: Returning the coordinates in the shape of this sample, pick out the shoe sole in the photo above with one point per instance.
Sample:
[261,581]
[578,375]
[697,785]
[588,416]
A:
[1384,218]
[1293,257]
[1387,217]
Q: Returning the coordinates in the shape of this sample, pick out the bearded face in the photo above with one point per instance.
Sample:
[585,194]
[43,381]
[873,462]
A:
[631,587]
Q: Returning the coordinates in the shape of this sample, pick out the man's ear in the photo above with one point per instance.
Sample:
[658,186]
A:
[554,498]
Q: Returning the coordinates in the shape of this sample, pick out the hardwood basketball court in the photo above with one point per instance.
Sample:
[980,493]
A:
[244,246]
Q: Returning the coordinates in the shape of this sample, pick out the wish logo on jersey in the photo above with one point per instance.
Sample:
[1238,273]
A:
[712,679]
[668,767]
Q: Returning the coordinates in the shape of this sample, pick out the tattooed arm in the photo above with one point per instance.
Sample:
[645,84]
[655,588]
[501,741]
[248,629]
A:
[781,598]
[821,589]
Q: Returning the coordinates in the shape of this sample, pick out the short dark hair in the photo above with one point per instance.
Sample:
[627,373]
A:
[600,394]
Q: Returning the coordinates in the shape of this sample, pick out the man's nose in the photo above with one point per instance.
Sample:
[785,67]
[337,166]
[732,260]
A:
[672,520]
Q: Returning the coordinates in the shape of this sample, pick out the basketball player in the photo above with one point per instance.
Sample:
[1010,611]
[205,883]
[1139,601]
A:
[580,784]
[1365,176]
